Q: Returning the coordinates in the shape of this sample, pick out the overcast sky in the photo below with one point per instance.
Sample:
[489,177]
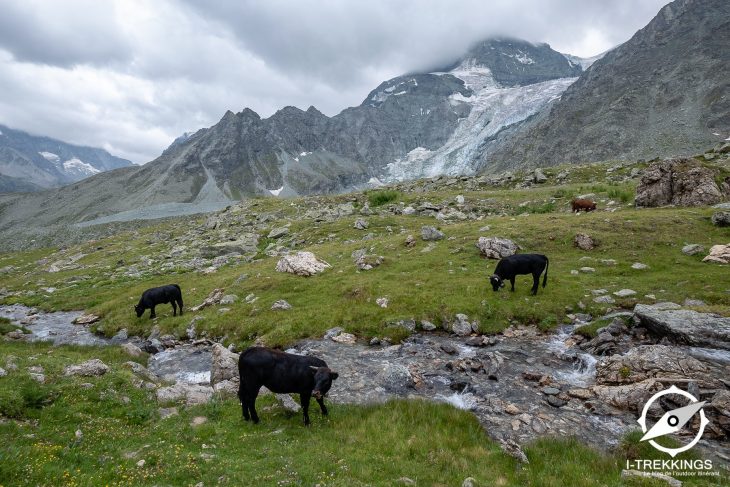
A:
[131,75]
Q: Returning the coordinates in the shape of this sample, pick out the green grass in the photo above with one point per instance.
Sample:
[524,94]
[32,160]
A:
[432,444]
[381,197]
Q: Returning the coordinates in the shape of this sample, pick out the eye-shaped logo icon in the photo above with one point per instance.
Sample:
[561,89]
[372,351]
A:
[673,421]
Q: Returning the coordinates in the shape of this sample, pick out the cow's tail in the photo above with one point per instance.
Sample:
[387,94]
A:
[178,287]
[547,264]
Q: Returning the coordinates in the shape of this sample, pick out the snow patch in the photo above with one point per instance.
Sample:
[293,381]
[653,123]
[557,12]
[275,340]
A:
[276,192]
[304,154]
[78,166]
[521,57]
[375,182]
[50,156]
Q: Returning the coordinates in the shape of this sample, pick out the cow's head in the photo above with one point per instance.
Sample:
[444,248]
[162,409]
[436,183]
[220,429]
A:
[139,310]
[323,378]
[497,282]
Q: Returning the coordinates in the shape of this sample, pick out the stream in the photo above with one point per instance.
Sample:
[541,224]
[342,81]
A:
[524,385]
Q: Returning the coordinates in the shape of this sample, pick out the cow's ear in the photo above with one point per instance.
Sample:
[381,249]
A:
[313,369]
[334,375]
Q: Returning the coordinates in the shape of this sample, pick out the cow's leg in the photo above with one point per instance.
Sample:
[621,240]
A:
[535,282]
[152,313]
[320,401]
[180,305]
[252,394]
[174,308]
[512,282]
[304,399]
[243,397]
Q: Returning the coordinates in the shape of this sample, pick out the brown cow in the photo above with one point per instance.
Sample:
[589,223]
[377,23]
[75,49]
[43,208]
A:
[579,204]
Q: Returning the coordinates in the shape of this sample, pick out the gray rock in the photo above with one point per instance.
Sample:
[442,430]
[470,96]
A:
[462,327]
[628,475]
[693,249]
[278,232]
[496,247]
[721,219]
[281,305]
[587,270]
[556,402]
[685,326]
[228,299]
[395,377]
[191,394]
[584,241]
[224,365]
[286,402]
[410,241]
[332,332]
[301,264]
[3,372]
[427,325]
[431,233]
[682,182]
[650,362]
[167,412]
[639,266]
[719,254]
[624,293]
[132,350]
[551,391]
[93,367]
[360,224]
[538,176]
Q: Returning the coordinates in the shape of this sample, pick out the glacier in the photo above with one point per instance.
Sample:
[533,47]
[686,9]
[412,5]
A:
[493,107]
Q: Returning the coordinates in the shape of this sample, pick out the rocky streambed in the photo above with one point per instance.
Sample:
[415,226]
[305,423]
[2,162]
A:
[521,384]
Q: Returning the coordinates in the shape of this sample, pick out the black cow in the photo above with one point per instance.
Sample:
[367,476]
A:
[281,373]
[160,295]
[520,264]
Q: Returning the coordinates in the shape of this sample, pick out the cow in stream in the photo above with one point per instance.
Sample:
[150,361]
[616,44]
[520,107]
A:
[282,373]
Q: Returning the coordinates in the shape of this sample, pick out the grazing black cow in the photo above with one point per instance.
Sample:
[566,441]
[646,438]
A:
[160,295]
[520,264]
[282,372]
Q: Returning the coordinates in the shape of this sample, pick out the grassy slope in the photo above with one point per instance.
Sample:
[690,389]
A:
[433,444]
[429,443]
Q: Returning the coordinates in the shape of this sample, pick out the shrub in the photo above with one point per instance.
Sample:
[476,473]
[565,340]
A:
[381,197]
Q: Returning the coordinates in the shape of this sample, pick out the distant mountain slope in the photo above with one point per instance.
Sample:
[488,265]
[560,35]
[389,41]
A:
[437,115]
[30,163]
[665,92]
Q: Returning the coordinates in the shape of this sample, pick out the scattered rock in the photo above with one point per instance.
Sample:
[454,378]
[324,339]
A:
[360,224]
[347,338]
[228,299]
[198,420]
[639,266]
[584,241]
[278,232]
[132,350]
[609,262]
[301,264]
[286,402]
[395,377]
[410,241]
[224,365]
[650,362]
[538,176]
[86,319]
[431,233]
[93,367]
[511,448]
[550,391]
[587,270]
[719,254]
[692,249]
[496,247]
[685,326]
[604,300]
[624,293]
[281,305]
[721,219]
[462,327]
[167,412]
[682,182]
[213,298]
[382,302]
[192,394]
[3,372]
[469,482]
[427,326]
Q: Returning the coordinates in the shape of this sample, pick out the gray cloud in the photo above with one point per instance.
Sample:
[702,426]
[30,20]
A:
[131,75]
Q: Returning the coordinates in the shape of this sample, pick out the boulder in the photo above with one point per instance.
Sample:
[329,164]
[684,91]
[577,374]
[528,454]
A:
[224,365]
[462,327]
[132,350]
[538,176]
[628,396]
[682,182]
[685,326]
[650,362]
[719,254]
[214,297]
[721,219]
[496,247]
[692,249]
[431,233]
[86,319]
[302,264]
[360,224]
[191,394]
[90,368]
[410,241]
[278,232]
[280,305]
[228,299]
[395,377]
[584,242]
[346,338]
